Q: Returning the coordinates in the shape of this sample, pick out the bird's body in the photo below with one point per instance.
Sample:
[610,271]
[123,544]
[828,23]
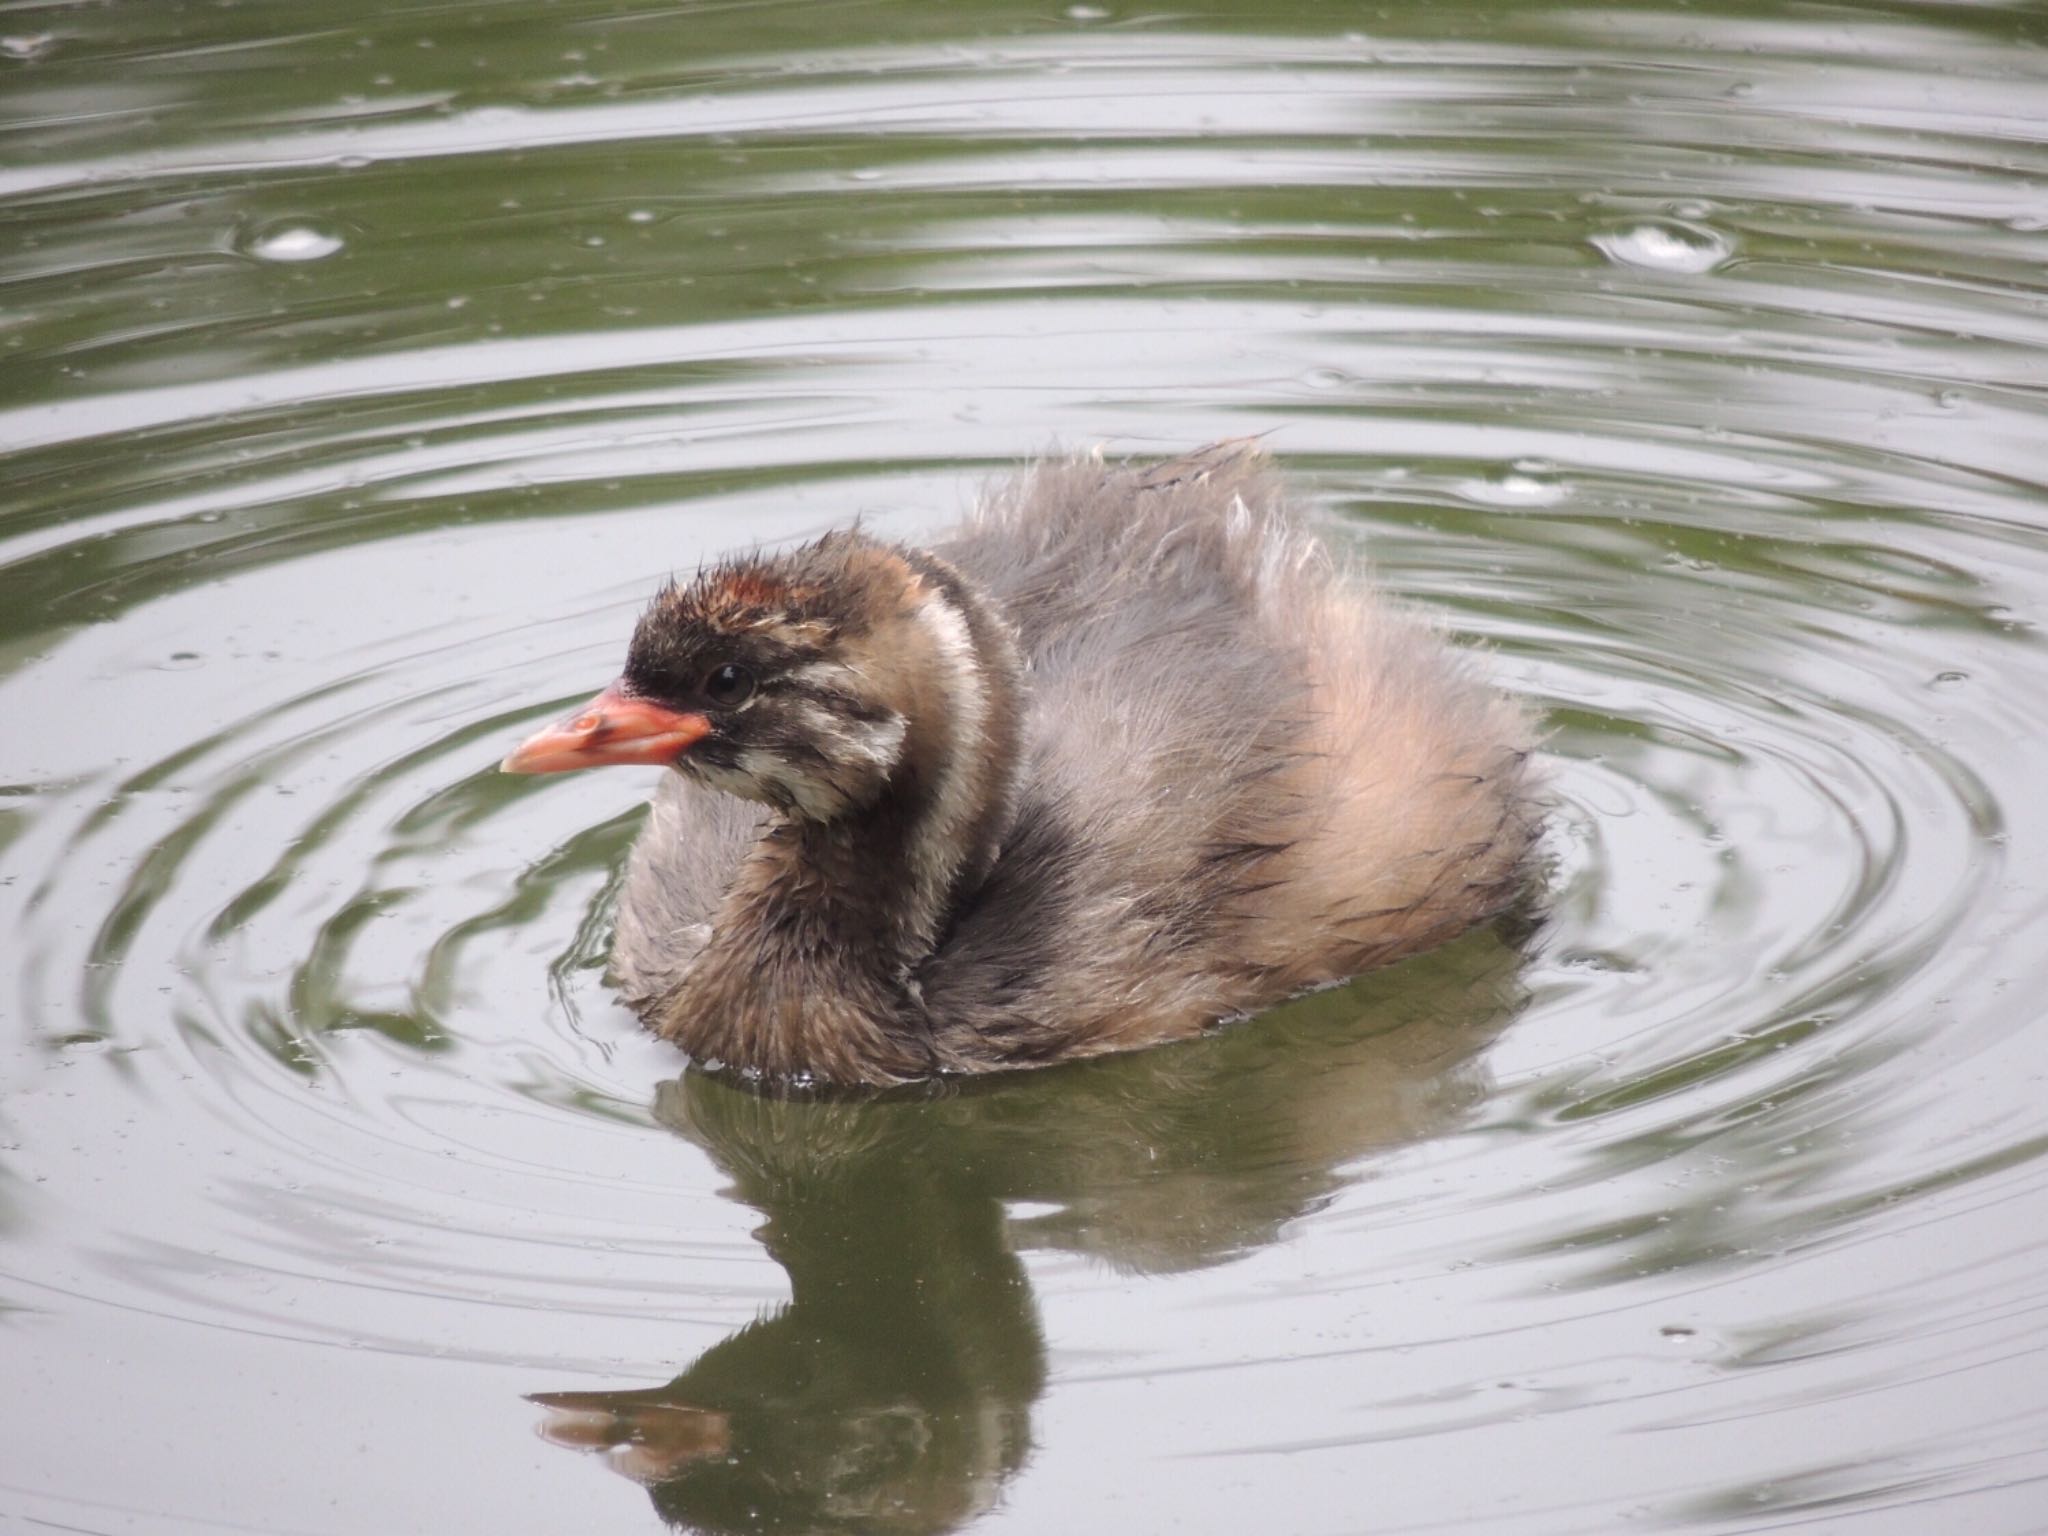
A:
[1124,755]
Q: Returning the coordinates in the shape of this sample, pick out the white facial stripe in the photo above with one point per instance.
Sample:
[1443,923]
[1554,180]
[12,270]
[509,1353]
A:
[833,674]
[816,797]
[816,717]
[959,790]
[879,741]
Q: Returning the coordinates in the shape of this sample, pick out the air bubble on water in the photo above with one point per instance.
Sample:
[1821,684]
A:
[292,241]
[1665,245]
[1524,483]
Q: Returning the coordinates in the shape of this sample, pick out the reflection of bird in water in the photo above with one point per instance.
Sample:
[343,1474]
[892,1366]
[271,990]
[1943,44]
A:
[894,1392]
[1122,756]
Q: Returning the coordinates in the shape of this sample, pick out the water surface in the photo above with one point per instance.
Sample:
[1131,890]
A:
[358,380]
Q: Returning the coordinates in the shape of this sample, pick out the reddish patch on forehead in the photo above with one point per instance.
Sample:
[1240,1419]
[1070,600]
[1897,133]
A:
[749,587]
[738,599]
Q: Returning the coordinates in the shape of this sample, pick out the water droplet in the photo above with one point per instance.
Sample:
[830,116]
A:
[1326,378]
[1086,13]
[1665,245]
[1525,483]
[1595,960]
[641,216]
[1950,679]
[292,242]
[1678,1332]
[864,174]
[1950,399]
[26,45]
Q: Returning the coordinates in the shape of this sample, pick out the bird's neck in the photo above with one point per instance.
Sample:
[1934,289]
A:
[812,962]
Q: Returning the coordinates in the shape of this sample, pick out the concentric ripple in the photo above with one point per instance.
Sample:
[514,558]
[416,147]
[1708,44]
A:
[358,379]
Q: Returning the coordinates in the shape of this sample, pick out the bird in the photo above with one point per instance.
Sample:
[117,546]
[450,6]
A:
[1126,755]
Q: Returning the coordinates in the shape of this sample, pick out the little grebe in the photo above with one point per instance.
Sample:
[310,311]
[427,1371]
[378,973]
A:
[1120,757]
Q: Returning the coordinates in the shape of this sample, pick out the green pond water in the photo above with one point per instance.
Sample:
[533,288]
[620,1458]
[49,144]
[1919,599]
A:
[363,368]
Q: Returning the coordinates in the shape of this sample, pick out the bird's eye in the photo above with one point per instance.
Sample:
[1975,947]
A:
[729,685]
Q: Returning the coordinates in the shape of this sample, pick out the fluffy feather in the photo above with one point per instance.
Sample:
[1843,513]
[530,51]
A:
[1171,762]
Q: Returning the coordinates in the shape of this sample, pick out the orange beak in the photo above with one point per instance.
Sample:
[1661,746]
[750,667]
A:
[614,727]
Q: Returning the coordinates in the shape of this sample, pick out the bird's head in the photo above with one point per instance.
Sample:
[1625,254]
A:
[797,679]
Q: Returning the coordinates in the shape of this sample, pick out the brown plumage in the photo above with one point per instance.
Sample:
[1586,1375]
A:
[1124,755]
